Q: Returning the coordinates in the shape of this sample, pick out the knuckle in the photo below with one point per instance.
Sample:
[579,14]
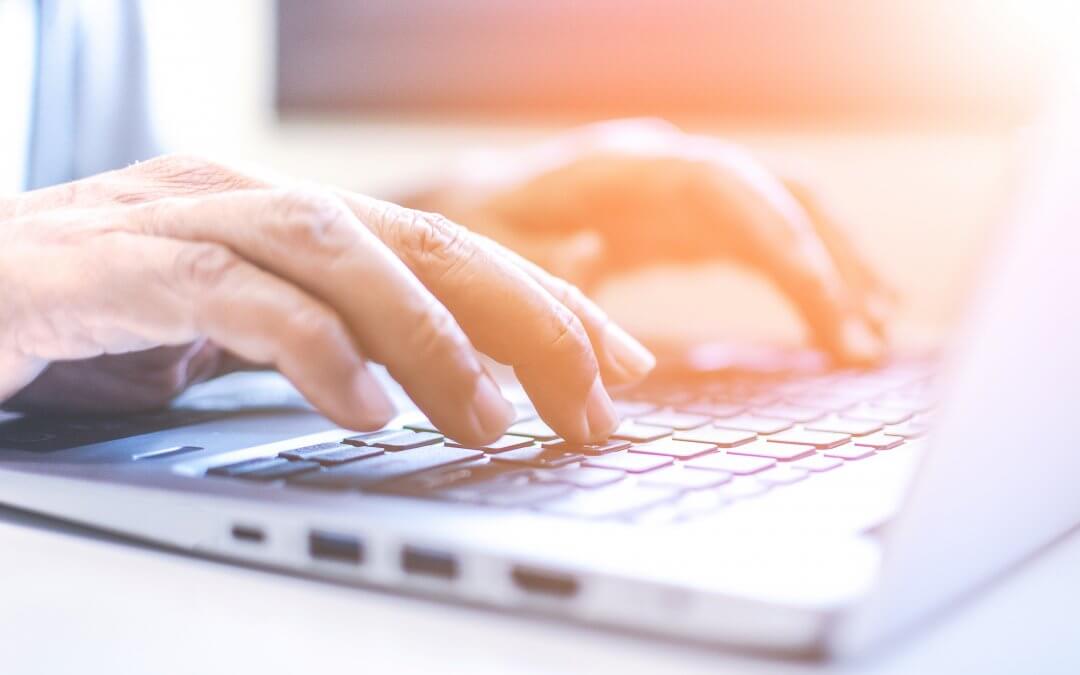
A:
[569,332]
[205,264]
[312,323]
[186,174]
[73,193]
[439,245]
[313,218]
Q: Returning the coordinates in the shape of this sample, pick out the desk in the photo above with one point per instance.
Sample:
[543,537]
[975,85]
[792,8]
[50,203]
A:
[72,601]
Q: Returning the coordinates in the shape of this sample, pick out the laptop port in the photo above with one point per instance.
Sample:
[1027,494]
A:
[428,562]
[542,582]
[248,533]
[334,547]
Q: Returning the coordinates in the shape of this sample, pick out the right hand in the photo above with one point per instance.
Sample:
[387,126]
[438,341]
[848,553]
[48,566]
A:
[196,257]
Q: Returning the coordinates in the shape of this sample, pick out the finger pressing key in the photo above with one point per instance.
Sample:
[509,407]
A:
[507,313]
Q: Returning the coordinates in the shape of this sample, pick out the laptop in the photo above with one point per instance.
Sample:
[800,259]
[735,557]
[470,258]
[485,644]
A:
[797,511]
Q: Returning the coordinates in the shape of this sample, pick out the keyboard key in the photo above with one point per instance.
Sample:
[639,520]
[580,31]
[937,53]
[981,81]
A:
[533,429]
[406,440]
[634,408]
[371,437]
[818,463]
[672,448]
[724,438]
[580,477]
[615,500]
[473,477]
[759,425]
[816,439]
[538,457]
[524,411]
[501,444]
[784,452]
[307,452]
[910,429]
[346,453]
[680,478]
[629,430]
[849,451]
[591,449]
[629,461]
[420,425]
[386,467]
[524,495]
[879,441]
[876,413]
[782,475]
[673,420]
[712,409]
[276,469]
[790,413]
[237,468]
[842,425]
[740,465]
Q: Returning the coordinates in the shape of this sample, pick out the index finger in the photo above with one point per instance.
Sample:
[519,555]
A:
[507,314]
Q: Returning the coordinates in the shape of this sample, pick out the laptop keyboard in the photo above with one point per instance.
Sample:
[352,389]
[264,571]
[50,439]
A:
[681,452]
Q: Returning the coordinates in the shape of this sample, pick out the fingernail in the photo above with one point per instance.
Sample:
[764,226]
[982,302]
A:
[493,413]
[860,344]
[626,354]
[375,406]
[600,415]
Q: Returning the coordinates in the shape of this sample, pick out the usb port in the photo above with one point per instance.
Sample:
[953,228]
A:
[248,533]
[335,547]
[543,582]
[428,562]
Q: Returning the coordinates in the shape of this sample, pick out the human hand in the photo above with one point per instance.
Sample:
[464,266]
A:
[616,196]
[176,269]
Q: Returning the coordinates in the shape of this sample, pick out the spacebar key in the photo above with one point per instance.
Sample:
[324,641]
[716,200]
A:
[370,472]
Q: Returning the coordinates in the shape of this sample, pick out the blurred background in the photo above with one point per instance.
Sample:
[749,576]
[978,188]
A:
[906,114]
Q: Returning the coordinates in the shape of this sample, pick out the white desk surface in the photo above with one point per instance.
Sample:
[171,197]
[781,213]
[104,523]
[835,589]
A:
[71,601]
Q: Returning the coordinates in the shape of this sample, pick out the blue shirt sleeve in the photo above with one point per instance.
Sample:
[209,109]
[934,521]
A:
[91,103]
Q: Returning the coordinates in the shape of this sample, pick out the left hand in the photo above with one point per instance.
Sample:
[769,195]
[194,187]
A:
[615,196]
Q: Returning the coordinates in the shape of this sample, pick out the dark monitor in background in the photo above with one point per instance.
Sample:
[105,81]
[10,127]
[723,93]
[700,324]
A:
[803,62]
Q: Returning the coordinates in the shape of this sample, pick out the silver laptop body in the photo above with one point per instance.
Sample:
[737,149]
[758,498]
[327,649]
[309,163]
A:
[782,559]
